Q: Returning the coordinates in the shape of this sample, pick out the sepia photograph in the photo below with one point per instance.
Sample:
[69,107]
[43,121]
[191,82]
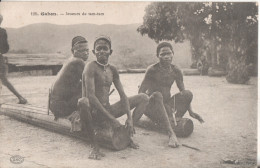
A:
[132,84]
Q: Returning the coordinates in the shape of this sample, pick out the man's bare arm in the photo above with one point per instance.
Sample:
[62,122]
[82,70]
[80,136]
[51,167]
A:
[78,66]
[6,48]
[88,76]
[84,85]
[146,82]
[179,80]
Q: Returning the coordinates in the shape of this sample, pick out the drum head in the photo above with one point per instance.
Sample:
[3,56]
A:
[184,127]
[121,138]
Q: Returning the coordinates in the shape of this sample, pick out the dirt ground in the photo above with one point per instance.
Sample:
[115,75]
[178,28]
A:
[229,131]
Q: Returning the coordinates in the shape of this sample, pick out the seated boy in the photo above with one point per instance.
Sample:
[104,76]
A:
[67,89]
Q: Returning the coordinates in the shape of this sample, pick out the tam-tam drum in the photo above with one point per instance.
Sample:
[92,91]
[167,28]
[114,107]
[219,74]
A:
[184,127]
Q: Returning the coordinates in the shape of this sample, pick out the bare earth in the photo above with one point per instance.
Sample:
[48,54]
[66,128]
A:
[229,131]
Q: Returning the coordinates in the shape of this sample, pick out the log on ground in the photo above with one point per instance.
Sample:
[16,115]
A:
[116,139]
[136,70]
[216,73]
[189,72]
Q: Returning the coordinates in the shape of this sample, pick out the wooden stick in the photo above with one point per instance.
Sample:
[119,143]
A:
[111,91]
[187,146]
[173,115]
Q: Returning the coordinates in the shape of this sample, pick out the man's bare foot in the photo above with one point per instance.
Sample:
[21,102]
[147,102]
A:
[96,154]
[133,145]
[22,100]
[173,142]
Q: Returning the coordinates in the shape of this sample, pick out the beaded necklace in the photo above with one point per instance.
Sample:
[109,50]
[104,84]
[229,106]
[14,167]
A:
[165,70]
[103,65]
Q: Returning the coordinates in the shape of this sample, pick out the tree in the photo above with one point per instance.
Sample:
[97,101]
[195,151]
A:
[226,31]
[175,21]
[238,34]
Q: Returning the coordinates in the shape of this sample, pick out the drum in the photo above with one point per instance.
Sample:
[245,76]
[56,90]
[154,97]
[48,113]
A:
[113,138]
[184,127]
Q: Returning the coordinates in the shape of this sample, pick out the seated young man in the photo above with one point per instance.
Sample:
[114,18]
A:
[67,88]
[157,83]
[98,77]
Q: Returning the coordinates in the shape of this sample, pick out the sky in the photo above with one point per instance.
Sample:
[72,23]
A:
[19,14]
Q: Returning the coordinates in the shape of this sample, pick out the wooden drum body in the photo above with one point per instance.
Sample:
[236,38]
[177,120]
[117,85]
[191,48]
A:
[184,127]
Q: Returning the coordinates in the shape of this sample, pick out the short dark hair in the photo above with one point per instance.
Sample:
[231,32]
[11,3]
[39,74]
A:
[78,39]
[105,38]
[163,44]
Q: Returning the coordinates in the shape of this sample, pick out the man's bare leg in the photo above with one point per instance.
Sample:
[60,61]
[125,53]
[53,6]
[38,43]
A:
[183,104]
[87,125]
[6,82]
[157,112]
[139,102]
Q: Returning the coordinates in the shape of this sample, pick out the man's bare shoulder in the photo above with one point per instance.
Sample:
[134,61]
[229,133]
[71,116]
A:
[152,68]
[73,65]
[113,68]
[90,66]
[176,69]
[2,30]
[76,61]
[114,71]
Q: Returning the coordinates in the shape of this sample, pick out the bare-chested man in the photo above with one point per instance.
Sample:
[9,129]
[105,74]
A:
[98,77]
[157,84]
[4,47]
[67,88]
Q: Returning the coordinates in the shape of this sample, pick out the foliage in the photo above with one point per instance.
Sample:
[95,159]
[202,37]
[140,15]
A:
[225,31]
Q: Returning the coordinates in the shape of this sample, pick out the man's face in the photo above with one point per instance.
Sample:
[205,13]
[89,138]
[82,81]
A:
[102,51]
[81,51]
[165,55]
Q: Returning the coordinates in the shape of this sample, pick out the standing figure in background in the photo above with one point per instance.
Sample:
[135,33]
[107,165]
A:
[203,65]
[4,48]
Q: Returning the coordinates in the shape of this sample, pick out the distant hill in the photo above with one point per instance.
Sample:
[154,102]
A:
[130,48]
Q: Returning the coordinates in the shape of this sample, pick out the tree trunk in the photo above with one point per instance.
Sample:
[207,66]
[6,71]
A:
[238,70]
[213,53]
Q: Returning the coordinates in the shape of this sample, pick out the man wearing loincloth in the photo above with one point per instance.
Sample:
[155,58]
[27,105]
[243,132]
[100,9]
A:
[98,77]
[67,88]
[4,47]
[157,84]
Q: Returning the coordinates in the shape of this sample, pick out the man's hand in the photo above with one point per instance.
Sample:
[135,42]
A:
[116,123]
[198,117]
[130,126]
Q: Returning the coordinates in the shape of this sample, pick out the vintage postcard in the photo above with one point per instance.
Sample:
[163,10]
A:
[128,84]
